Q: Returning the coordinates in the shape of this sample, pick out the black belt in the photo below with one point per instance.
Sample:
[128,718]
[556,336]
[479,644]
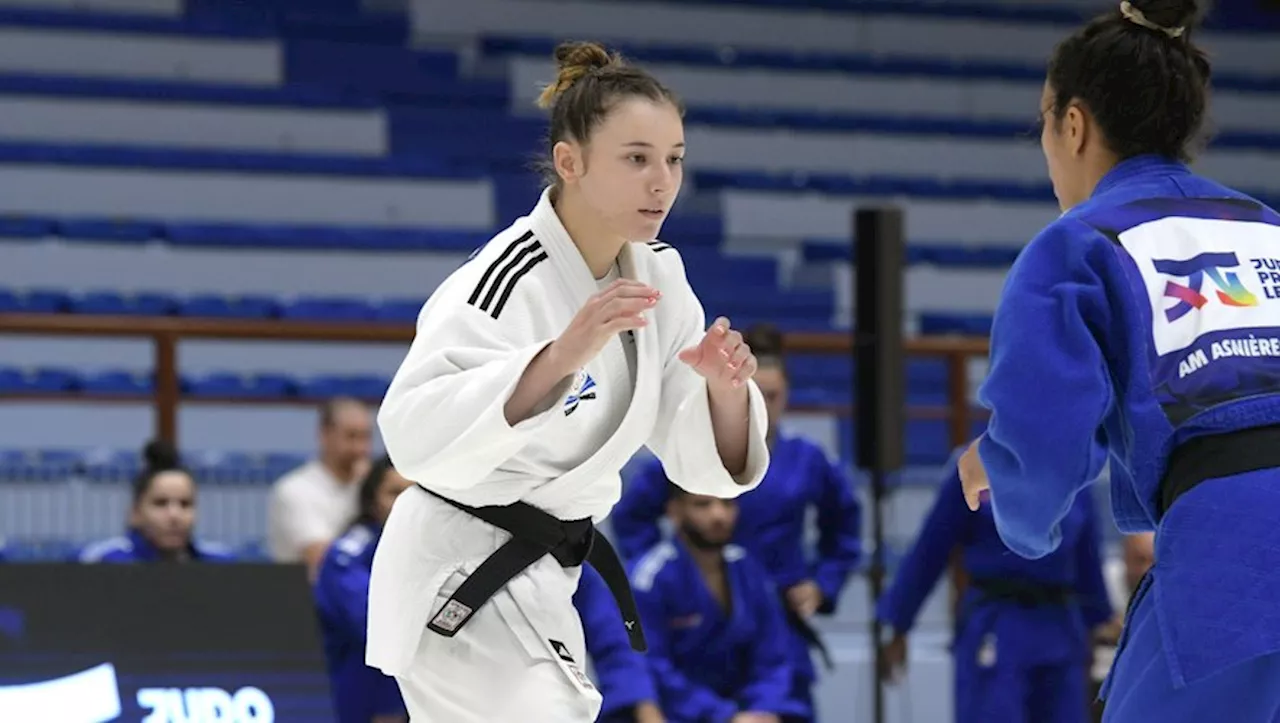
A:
[807,633]
[535,533]
[1218,455]
[1023,592]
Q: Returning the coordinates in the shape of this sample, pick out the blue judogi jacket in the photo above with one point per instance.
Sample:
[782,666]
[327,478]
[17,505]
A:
[134,547]
[1141,318]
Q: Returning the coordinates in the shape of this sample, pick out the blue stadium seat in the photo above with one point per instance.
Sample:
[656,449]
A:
[25,227]
[111,302]
[117,382]
[242,307]
[113,230]
[400,311]
[230,385]
[326,386]
[326,309]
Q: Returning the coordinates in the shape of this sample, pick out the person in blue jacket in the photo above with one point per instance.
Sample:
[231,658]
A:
[1142,328]
[621,675]
[361,694]
[771,518]
[162,517]
[714,623]
[1024,627]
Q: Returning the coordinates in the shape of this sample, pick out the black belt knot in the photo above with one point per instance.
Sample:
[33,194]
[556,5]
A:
[534,534]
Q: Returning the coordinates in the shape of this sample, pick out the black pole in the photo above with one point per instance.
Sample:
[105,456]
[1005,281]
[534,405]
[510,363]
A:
[879,253]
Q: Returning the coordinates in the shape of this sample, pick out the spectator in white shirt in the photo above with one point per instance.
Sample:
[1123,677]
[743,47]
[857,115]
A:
[311,505]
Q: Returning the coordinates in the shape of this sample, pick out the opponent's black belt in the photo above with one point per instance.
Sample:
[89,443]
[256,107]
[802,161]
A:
[1026,593]
[1218,455]
[807,633]
[535,533]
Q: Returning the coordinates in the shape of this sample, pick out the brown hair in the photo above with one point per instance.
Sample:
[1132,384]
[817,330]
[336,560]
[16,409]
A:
[589,83]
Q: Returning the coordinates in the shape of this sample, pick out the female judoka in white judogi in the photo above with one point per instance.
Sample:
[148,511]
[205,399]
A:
[539,368]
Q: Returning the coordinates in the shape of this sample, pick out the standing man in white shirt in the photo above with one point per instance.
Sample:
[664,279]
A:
[311,505]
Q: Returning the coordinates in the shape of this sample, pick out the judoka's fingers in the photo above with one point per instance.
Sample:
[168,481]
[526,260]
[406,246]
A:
[619,307]
[721,336]
[628,288]
[741,366]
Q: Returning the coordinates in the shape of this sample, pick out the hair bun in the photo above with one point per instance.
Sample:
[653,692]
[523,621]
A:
[161,455]
[575,59]
[1169,14]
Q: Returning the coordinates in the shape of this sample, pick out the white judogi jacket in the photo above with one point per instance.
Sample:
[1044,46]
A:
[443,423]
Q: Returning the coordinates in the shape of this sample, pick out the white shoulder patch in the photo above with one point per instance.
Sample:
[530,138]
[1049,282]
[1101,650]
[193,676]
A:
[354,541]
[734,553]
[98,550]
[651,564]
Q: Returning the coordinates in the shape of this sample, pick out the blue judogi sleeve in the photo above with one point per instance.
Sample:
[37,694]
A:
[682,699]
[620,671]
[1048,388]
[839,536]
[1091,586]
[770,689]
[948,523]
[634,519]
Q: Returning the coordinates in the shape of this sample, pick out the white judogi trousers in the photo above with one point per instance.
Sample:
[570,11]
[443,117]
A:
[500,669]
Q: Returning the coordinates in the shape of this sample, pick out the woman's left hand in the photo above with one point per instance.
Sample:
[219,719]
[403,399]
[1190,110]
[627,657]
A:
[722,357]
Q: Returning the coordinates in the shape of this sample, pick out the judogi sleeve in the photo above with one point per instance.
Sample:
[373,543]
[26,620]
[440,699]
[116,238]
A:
[947,524]
[683,438]
[634,519]
[1091,585]
[443,416]
[622,676]
[839,534]
[1049,387]
[682,699]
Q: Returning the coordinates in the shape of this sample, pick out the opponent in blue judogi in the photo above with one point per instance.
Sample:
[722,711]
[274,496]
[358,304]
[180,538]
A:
[342,604]
[1143,327]
[1023,626]
[709,658]
[620,671]
[771,518]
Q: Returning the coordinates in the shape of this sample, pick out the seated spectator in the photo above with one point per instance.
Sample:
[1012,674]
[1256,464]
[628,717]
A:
[714,622]
[311,505]
[162,517]
[620,672]
[361,694]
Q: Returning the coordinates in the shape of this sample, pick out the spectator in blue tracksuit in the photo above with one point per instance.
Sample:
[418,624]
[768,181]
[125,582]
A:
[771,518]
[360,694]
[162,518]
[620,672]
[716,632]
[1023,637]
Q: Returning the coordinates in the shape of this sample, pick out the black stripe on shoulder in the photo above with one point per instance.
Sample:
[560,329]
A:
[658,246]
[511,285]
[511,248]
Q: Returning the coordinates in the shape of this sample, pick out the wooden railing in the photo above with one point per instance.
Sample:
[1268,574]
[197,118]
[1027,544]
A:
[166,332]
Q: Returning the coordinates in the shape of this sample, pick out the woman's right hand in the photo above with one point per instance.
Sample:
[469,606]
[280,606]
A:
[617,308]
[893,658]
